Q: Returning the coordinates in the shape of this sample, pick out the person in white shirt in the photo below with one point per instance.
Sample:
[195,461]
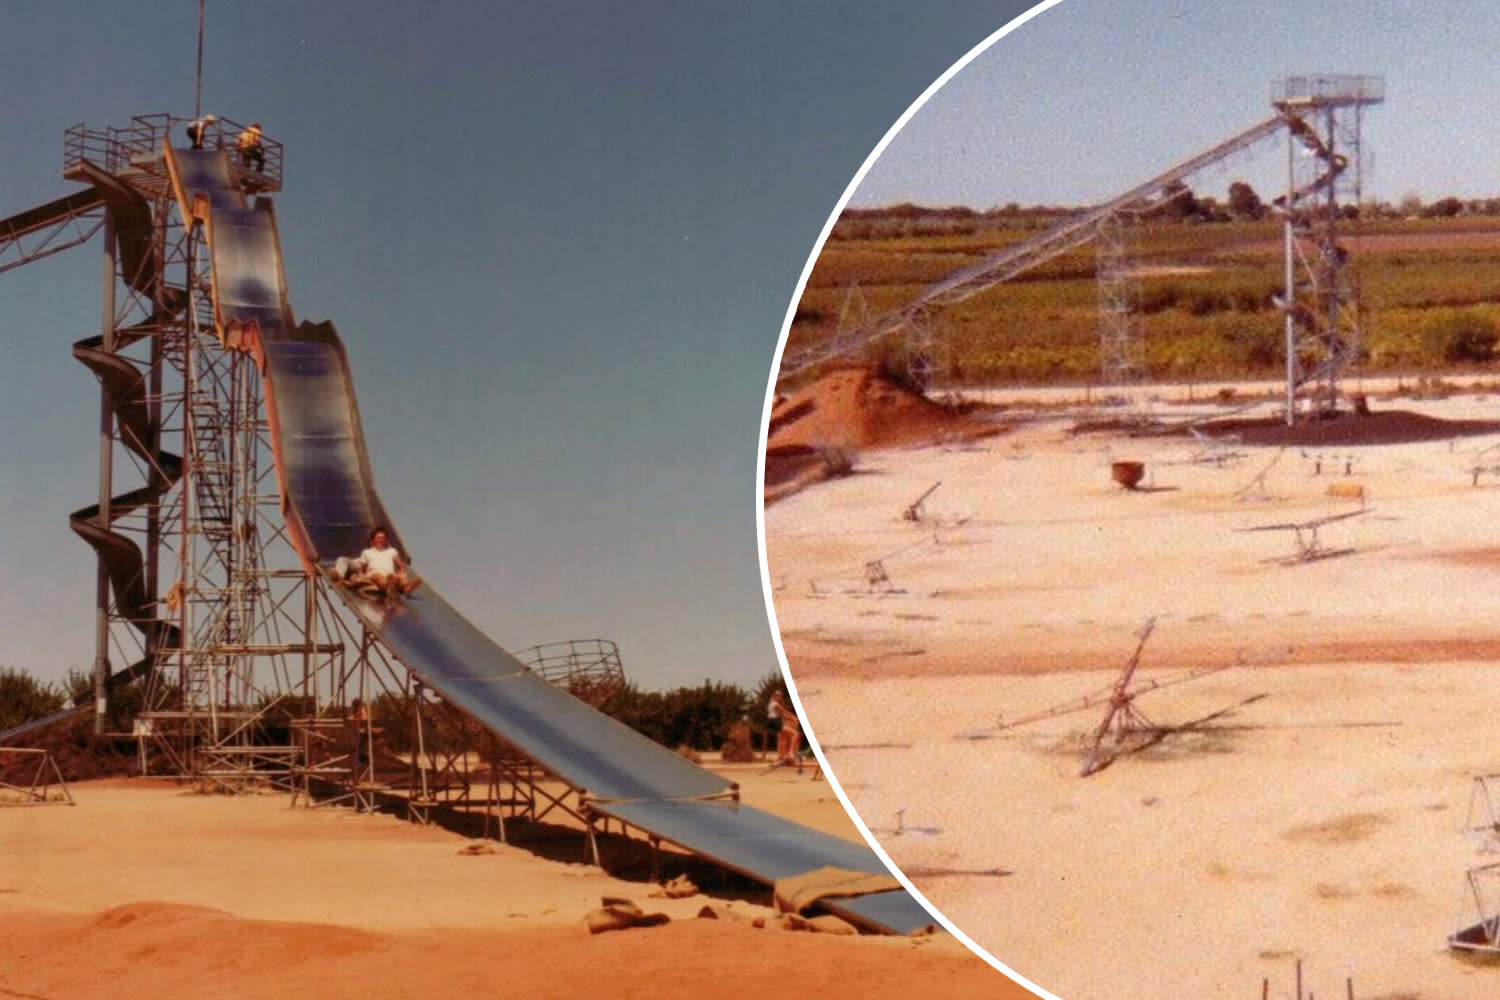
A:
[382,567]
[197,130]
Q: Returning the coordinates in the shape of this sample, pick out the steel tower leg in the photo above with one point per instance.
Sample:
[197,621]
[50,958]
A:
[106,484]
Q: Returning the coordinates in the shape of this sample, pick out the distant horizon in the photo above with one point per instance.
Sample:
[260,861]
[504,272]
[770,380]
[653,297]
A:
[1003,208]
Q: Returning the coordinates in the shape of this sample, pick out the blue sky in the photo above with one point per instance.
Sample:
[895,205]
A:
[559,241]
[1090,97]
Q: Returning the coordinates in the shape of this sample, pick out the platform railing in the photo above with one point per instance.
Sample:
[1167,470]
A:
[588,668]
[118,149]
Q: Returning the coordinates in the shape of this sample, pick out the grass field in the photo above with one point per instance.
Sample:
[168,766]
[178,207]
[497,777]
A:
[1430,291]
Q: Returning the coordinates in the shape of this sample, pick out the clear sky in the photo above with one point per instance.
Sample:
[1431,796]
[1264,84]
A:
[1091,97]
[559,240]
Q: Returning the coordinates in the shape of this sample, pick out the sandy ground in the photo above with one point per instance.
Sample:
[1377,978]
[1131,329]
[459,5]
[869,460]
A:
[1314,805]
[151,889]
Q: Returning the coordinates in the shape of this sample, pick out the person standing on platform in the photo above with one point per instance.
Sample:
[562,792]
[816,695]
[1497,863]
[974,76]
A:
[251,150]
[197,130]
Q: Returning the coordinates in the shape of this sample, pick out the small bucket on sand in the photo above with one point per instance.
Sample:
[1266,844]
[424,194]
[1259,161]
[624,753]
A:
[1128,474]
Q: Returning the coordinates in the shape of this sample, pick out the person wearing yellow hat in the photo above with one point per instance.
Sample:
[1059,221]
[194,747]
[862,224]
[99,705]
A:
[251,150]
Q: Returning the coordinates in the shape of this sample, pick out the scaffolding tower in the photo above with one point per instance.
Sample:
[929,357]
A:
[199,599]
[1122,360]
[248,670]
[1324,187]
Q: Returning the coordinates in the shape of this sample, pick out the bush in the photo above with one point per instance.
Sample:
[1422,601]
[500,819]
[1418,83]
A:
[697,717]
[23,697]
[737,748]
[1463,336]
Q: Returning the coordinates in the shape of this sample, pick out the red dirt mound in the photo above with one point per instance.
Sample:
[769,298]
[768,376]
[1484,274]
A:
[814,431]
[854,408]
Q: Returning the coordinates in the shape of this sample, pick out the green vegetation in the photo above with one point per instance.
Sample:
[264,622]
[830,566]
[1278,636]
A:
[1206,276]
[23,697]
[698,718]
[695,717]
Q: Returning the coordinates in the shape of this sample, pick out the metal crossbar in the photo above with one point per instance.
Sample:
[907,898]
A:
[46,787]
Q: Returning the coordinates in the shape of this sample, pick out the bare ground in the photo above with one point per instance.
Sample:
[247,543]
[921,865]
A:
[1308,805]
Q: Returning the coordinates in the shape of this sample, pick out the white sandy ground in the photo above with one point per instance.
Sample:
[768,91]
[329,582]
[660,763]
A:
[1319,818]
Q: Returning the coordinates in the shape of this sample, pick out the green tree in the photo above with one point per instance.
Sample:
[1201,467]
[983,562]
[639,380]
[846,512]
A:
[1443,208]
[1244,203]
[23,697]
[1178,201]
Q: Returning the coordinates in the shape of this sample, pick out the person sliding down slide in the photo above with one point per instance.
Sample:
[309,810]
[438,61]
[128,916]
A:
[380,569]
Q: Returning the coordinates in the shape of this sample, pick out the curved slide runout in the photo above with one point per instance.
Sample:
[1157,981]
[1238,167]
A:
[329,502]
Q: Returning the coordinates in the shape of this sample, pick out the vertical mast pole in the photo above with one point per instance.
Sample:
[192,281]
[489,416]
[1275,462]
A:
[198,80]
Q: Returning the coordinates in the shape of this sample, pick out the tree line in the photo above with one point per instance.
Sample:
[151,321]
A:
[696,718]
[1241,203]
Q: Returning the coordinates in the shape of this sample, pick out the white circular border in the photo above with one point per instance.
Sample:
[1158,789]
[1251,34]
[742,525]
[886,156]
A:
[760,476]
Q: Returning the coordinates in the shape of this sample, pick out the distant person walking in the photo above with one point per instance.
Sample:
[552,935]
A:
[251,150]
[789,736]
[359,724]
[197,130]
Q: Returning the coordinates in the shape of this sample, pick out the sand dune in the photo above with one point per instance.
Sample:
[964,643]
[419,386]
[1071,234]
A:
[148,889]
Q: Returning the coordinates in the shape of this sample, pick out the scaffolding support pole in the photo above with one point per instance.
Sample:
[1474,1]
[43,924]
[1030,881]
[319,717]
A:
[106,483]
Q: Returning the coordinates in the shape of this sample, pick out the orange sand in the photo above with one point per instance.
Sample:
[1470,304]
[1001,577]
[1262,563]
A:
[145,889]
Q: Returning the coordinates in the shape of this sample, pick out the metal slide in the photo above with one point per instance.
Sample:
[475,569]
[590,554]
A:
[330,504]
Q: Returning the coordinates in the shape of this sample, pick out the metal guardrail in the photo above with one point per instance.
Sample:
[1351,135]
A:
[118,149]
[1329,88]
[585,667]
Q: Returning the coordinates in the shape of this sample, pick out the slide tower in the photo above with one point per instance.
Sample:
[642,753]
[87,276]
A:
[233,472]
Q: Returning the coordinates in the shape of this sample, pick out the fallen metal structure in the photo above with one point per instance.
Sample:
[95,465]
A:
[1123,728]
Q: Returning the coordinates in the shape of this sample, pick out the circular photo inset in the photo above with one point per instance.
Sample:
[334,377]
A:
[1131,471]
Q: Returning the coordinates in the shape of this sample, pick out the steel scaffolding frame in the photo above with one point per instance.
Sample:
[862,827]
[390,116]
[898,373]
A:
[1320,295]
[212,610]
[1122,360]
[230,637]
